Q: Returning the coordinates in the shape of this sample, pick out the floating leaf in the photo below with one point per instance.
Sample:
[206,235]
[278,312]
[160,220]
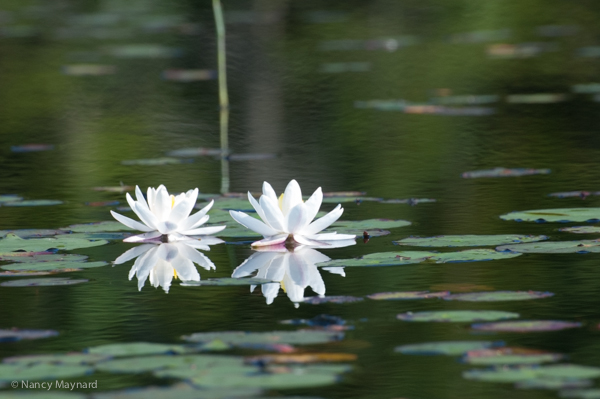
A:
[322,320]
[11,372]
[194,152]
[560,215]
[141,364]
[451,348]
[16,334]
[32,233]
[103,203]
[251,157]
[569,194]
[357,232]
[301,358]
[503,374]
[317,300]
[114,189]
[500,356]
[581,393]
[65,242]
[29,273]
[31,147]
[343,199]
[181,391]
[236,231]
[573,371]
[553,247]
[526,326]
[555,383]
[458,287]
[581,229]
[494,296]
[40,202]
[156,161]
[456,316]
[9,198]
[97,227]
[299,337]
[468,240]
[226,281]
[41,266]
[408,295]
[504,172]
[41,282]
[67,358]
[409,201]
[227,203]
[135,349]
[35,257]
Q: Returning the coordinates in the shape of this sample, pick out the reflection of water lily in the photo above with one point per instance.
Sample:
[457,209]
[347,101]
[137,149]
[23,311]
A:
[161,262]
[290,216]
[292,271]
[166,215]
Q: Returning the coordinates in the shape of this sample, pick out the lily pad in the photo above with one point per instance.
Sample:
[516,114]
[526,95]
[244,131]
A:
[559,215]
[141,364]
[29,273]
[32,233]
[103,203]
[569,194]
[156,161]
[35,257]
[581,229]
[553,247]
[135,349]
[412,257]
[181,391]
[404,295]
[301,358]
[65,242]
[526,326]
[502,356]
[495,296]
[41,282]
[11,372]
[569,371]
[9,198]
[554,384]
[451,348]
[409,201]
[317,300]
[42,266]
[97,227]
[361,225]
[195,152]
[502,374]
[67,358]
[457,316]
[16,334]
[504,172]
[581,393]
[227,203]
[114,189]
[226,281]
[40,202]
[468,240]
[344,199]
[299,337]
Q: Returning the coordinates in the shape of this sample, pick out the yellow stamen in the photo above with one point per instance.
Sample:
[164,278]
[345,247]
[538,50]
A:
[281,201]
[282,284]
[175,273]
[172,204]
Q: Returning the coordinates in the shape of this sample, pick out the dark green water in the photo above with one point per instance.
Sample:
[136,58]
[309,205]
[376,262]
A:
[304,78]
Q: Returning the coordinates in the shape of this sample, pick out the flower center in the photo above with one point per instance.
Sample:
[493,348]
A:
[172,201]
[282,284]
[281,202]
[175,273]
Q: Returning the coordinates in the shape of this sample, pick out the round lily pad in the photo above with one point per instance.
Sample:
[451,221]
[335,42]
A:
[501,356]
[135,349]
[32,233]
[573,371]
[451,348]
[97,227]
[226,281]
[553,247]
[504,172]
[156,161]
[66,358]
[36,257]
[16,334]
[28,273]
[299,337]
[457,316]
[581,229]
[468,240]
[141,364]
[581,393]
[11,372]
[404,295]
[227,203]
[526,326]
[554,384]
[560,215]
[181,391]
[502,374]
[65,242]
[41,266]
[317,300]
[495,296]
[40,202]
[41,282]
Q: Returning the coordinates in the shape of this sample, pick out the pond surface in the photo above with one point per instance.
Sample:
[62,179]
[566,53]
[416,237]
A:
[394,100]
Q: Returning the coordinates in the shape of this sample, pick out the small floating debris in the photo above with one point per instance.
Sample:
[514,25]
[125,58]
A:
[188,75]
[195,152]
[17,334]
[569,194]
[408,295]
[89,70]
[504,172]
[156,161]
[524,326]
[31,147]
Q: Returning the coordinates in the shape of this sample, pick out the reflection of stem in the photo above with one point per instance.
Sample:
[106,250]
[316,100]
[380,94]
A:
[223,97]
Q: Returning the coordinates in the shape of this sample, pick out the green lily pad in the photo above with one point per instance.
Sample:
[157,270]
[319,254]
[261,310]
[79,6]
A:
[141,364]
[526,326]
[457,316]
[412,257]
[581,229]
[226,281]
[181,391]
[9,198]
[41,266]
[35,257]
[554,384]
[97,227]
[67,358]
[42,282]
[495,296]
[195,152]
[32,233]
[501,356]
[581,393]
[451,348]
[502,374]
[560,215]
[553,247]
[468,240]
[11,372]
[227,203]
[156,161]
[569,371]
[14,243]
[504,172]
[299,337]
[318,300]
[40,202]
[405,295]
[16,334]
[27,273]
[135,349]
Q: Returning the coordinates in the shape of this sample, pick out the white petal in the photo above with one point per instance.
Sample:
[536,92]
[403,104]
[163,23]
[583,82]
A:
[151,196]
[196,257]
[133,253]
[253,224]
[335,270]
[324,222]
[331,237]
[186,271]
[204,231]
[182,208]
[269,192]
[307,241]
[203,241]
[314,203]
[133,224]
[270,291]
[334,243]
[147,217]
[273,240]
[130,200]
[291,197]
[258,260]
[196,219]
[297,219]
[146,237]
[311,256]
[257,207]
[167,252]
[140,197]
[272,215]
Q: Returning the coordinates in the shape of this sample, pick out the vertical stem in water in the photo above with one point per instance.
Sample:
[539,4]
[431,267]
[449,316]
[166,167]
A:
[223,96]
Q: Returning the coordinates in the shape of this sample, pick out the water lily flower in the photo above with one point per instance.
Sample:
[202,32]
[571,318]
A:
[161,262]
[166,215]
[290,270]
[289,216]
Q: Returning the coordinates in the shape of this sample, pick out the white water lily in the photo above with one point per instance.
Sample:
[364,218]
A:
[289,216]
[292,271]
[166,215]
[165,261]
